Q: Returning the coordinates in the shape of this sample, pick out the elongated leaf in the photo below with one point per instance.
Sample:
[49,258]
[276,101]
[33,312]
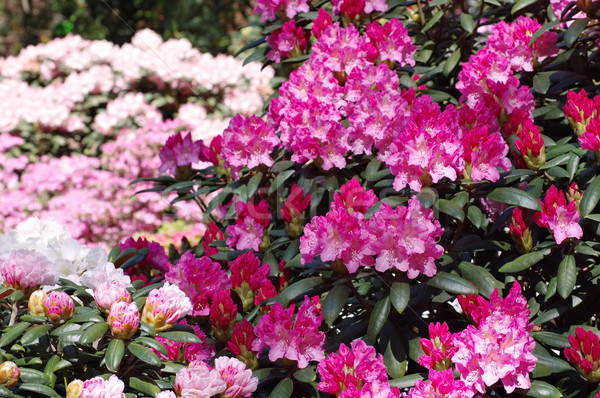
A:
[379,316]
[283,389]
[114,354]
[152,343]
[524,261]
[552,339]
[519,5]
[541,389]
[451,62]
[590,198]
[34,333]
[407,381]
[280,179]
[12,333]
[541,83]
[254,183]
[452,284]
[298,288]
[181,337]
[334,302]
[546,27]
[306,375]
[567,276]
[394,359]
[481,277]
[144,354]
[39,389]
[434,19]
[554,364]
[29,375]
[400,295]
[515,197]
[144,386]
[451,208]
[466,21]
[575,30]
[94,332]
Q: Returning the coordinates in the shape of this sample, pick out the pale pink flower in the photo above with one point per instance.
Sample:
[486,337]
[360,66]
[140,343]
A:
[97,387]
[406,239]
[27,269]
[58,307]
[179,150]
[165,306]
[248,141]
[240,382]
[123,319]
[559,217]
[298,340]
[198,381]
[199,279]
[166,394]
[109,293]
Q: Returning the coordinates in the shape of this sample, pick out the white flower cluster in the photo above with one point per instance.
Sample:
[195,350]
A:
[68,258]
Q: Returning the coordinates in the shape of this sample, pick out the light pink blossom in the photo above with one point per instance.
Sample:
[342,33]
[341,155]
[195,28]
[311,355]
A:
[97,387]
[240,382]
[165,306]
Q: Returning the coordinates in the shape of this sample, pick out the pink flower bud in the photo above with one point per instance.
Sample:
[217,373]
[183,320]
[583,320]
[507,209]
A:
[123,319]
[165,306]
[9,374]
[59,307]
[35,303]
[109,293]
[222,315]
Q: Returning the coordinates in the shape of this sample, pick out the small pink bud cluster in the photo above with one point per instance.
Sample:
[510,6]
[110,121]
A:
[581,111]
[357,371]
[241,343]
[247,277]
[441,384]
[165,306]
[438,348]
[289,41]
[585,354]
[520,231]
[222,315]
[560,218]
[58,307]
[212,234]
[178,351]
[293,211]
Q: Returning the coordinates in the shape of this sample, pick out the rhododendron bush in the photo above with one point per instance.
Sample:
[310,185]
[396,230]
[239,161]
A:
[415,214]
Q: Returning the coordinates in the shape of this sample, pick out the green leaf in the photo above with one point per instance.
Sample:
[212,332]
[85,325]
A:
[250,45]
[280,179]
[451,208]
[144,386]
[524,261]
[114,354]
[33,334]
[554,364]
[541,389]
[94,332]
[515,197]
[567,276]
[572,166]
[296,289]
[400,295]
[434,19]
[306,375]
[144,354]
[466,21]
[379,316]
[296,60]
[541,83]
[29,375]
[256,55]
[12,333]
[519,5]
[407,381]
[334,302]
[481,277]
[39,389]
[452,61]
[36,319]
[181,337]
[575,30]
[394,359]
[476,216]
[283,389]
[254,183]
[590,198]
[452,284]
[546,27]
[152,343]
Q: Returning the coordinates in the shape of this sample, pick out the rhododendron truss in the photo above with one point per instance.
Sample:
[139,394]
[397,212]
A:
[559,217]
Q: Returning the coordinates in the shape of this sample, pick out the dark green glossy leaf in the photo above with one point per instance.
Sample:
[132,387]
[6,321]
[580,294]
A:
[541,389]
[144,354]
[181,337]
[12,333]
[280,179]
[567,276]
[524,261]
[481,277]
[283,389]
[541,83]
[379,316]
[144,386]
[515,197]
[39,389]
[521,4]
[554,364]
[407,381]
[546,27]
[114,354]
[466,21]
[575,30]
[452,61]
[400,295]
[394,358]
[33,334]
[33,319]
[152,343]
[451,208]
[298,288]
[334,302]
[254,183]
[306,375]
[590,198]
[29,375]
[434,19]
[94,332]
[452,284]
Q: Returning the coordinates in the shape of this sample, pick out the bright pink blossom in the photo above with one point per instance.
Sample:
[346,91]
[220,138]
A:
[250,225]
[406,239]
[240,382]
[179,150]
[222,315]
[295,204]
[199,279]
[500,348]
[474,306]
[340,49]
[155,261]
[440,385]
[484,153]
[247,141]
[212,234]
[520,230]
[283,41]
[322,21]
[591,138]
[97,387]
[269,9]
[531,145]
[177,351]
[298,339]
[391,42]
[354,198]
[241,342]
[584,353]
[246,268]
[558,216]
[580,110]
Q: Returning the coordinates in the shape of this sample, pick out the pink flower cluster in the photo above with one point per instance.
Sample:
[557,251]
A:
[500,348]
[250,225]
[440,385]
[403,238]
[177,351]
[296,339]
[357,371]
[559,217]
[285,9]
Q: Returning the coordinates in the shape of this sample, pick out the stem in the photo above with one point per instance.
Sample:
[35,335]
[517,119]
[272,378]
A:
[13,315]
